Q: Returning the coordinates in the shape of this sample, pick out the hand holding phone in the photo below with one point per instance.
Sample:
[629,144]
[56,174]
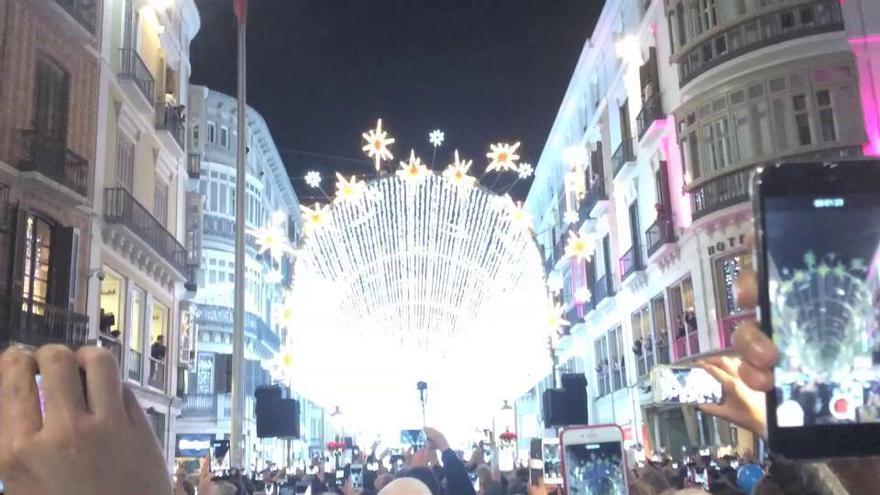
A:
[593,460]
[536,461]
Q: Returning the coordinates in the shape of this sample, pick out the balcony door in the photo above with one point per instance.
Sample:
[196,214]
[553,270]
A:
[52,100]
[635,232]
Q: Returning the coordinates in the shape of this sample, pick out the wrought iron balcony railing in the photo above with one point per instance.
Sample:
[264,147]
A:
[81,10]
[651,111]
[200,405]
[194,165]
[33,323]
[661,232]
[50,156]
[721,192]
[603,289]
[121,208]
[818,17]
[623,155]
[170,118]
[631,261]
[594,195]
[157,373]
[134,69]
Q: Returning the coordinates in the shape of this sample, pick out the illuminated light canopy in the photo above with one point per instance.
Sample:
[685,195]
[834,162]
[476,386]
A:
[457,172]
[436,138]
[579,246]
[377,142]
[418,280]
[502,157]
[313,179]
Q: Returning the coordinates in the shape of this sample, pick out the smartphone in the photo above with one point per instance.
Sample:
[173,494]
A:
[684,385]
[817,251]
[475,480]
[593,460]
[414,438]
[357,478]
[219,456]
[536,461]
[552,461]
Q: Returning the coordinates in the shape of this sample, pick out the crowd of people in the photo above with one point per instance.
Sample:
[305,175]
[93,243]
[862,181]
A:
[90,436]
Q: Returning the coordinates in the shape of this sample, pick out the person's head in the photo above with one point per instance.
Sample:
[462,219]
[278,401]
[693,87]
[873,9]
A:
[485,474]
[405,486]
[222,488]
[655,479]
[382,480]
[160,339]
[641,488]
[184,487]
[426,476]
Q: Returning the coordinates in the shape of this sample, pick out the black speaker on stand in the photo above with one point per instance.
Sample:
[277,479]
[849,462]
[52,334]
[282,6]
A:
[566,406]
[276,417]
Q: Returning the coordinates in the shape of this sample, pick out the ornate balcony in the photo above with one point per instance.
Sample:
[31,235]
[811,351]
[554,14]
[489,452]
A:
[50,157]
[721,192]
[631,261]
[200,405]
[35,323]
[622,156]
[120,208]
[137,80]
[83,11]
[157,374]
[661,232]
[603,289]
[820,16]
[222,317]
[170,123]
[596,201]
[651,111]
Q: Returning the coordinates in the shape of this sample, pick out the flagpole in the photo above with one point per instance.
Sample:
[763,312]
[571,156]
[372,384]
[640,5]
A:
[237,446]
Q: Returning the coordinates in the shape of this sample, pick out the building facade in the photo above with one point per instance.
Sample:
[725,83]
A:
[671,107]
[137,298]
[271,200]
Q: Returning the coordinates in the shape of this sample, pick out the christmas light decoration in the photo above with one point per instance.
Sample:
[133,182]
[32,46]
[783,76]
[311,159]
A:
[347,189]
[436,138]
[404,281]
[377,145]
[579,246]
[555,321]
[525,170]
[457,172]
[582,295]
[519,216]
[570,217]
[502,157]
[273,239]
[313,179]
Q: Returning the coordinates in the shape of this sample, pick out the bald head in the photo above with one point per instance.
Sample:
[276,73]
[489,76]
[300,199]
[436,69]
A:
[406,486]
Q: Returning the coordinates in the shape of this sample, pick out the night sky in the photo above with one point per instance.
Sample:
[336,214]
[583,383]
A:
[322,71]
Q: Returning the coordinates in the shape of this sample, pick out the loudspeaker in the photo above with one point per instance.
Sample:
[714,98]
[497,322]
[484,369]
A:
[565,408]
[276,417]
[574,381]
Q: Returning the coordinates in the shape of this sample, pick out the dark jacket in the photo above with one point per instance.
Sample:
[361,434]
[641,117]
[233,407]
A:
[457,481]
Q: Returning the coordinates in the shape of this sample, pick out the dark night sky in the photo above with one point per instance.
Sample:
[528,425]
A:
[322,71]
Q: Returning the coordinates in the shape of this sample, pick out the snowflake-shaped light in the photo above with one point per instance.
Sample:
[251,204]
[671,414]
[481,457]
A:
[525,170]
[347,189]
[502,157]
[579,246]
[271,238]
[582,295]
[555,321]
[436,138]
[376,147]
[412,170]
[457,172]
[314,218]
[570,216]
[519,215]
[313,179]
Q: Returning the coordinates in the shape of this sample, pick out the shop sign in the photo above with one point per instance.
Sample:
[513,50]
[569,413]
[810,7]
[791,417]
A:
[193,445]
[731,243]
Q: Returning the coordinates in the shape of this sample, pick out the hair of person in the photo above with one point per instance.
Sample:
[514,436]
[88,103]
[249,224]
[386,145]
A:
[187,487]
[405,486]
[426,476]
[224,488]
[484,471]
[382,480]
[655,479]
[641,488]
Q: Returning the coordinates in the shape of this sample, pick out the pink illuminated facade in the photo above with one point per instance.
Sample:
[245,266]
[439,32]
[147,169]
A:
[674,131]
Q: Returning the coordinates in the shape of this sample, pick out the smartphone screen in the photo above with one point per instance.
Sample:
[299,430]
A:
[819,259]
[822,264]
[415,438]
[552,462]
[536,462]
[357,475]
[595,468]
[219,456]
[684,385]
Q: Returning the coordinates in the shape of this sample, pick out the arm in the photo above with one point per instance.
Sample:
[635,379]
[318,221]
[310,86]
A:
[456,475]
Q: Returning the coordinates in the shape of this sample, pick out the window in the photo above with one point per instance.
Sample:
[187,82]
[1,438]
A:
[224,137]
[124,162]
[684,318]
[661,329]
[212,137]
[616,358]
[603,369]
[52,98]
[643,341]
[37,256]
[135,334]
[160,197]
[802,119]
[826,115]
[111,302]
[195,136]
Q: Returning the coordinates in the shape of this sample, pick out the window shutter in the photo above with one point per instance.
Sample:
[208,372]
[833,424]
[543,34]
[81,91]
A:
[61,260]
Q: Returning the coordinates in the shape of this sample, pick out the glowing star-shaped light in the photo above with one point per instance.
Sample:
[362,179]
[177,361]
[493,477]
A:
[502,157]
[436,138]
[519,215]
[555,321]
[376,146]
[313,179]
[281,366]
[457,172]
[412,170]
[271,238]
[579,246]
[525,170]
[314,218]
[570,216]
[347,189]
[284,311]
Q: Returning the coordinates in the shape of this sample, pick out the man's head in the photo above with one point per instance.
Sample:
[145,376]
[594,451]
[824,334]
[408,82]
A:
[485,474]
[406,486]
[160,339]
[222,488]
